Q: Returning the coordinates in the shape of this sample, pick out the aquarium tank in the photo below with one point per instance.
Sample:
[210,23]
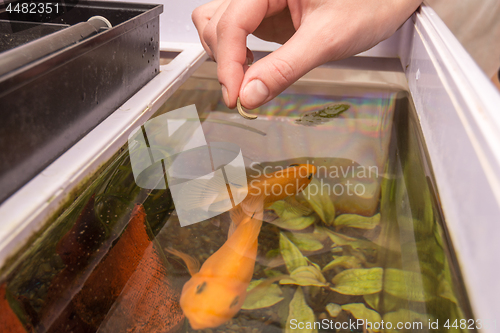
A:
[358,244]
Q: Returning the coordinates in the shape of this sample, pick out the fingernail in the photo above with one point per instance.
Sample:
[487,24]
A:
[225,95]
[255,93]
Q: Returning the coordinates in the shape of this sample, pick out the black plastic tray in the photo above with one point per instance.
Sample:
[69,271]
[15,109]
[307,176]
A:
[48,104]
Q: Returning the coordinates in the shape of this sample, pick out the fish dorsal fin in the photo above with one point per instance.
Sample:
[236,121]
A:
[204,192]
[237,215]
[241,216]
[232,229]
[252,204]
[193,265]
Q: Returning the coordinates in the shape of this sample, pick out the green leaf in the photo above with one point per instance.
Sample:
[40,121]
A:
[300,312]
[372,300]
[262,297]
[367,248]
[445,288]
[306,276]
[272,253]
[290,209]
[413,286]
[320,201]
[428,219]
[292,215]
[360,311]
[391,303]
[333,111]
[305,242]
[313,264]
[339,239]
[320,234]
[298,223]
[439,237]
[272,273]
[357,221]
[446,291]
[406,316]
[346,262]
[355,243]
[359,281]
[291,254]
[333,309]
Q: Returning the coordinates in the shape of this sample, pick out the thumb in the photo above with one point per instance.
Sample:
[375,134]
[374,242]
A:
[269,76]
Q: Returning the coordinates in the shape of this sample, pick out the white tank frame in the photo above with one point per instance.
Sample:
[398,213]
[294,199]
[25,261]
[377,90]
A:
[459,113]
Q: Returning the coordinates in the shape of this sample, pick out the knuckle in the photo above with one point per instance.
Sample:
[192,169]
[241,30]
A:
[201,12]
[209,34]
[196,15]
[282,71]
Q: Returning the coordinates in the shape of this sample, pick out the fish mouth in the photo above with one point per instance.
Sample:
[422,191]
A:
[201,318]
[198,324]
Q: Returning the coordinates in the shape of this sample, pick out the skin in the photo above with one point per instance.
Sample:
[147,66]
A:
[496,81]
[312,32]
[216,292]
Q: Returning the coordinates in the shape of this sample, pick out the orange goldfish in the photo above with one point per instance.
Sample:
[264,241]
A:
[217,291]
[281,184]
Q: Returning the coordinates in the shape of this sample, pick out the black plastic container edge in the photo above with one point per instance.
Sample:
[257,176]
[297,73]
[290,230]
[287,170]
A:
[49,104]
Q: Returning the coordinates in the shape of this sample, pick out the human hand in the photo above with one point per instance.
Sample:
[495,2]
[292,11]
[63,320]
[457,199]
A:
[312,32]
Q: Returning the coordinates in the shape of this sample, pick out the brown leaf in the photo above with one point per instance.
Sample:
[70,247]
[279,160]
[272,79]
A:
[110,276]
[149,301]
[9,322]
[79,243]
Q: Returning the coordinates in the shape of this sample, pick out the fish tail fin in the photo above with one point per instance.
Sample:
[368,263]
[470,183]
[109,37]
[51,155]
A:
[232,229]
[205,193]
[193,265]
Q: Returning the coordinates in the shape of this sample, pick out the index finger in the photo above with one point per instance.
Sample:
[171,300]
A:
[241,18]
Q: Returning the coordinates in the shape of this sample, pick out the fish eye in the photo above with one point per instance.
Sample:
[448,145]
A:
[310,176]
[235,301]
[293,165]
[201,287]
